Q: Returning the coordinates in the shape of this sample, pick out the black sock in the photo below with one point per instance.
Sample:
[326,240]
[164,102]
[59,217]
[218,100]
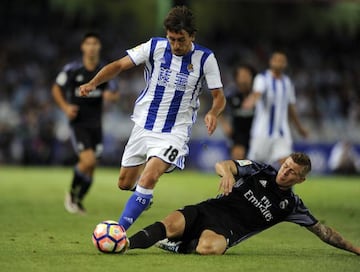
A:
[148,236]
[76,185]
[84,188]
[188,247]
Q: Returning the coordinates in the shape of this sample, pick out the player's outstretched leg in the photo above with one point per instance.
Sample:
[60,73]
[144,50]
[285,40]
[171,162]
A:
[148,236]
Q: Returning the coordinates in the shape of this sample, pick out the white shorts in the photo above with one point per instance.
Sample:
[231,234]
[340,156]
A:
[269,150]
[144,144]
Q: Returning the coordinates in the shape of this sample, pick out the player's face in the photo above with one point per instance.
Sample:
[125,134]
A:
[278,62]
[243,79]
[91,47]
[290,173]
[180,42]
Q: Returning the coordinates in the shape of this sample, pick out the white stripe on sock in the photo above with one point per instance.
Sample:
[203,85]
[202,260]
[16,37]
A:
[144,191]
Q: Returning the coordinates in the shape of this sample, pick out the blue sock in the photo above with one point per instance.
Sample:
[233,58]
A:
[136,204]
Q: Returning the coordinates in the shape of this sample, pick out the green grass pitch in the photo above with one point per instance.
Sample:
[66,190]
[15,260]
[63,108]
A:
[36,234]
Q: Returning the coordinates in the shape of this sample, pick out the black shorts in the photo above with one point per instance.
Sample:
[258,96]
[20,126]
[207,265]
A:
[204,216]
[241,139]
[84,138]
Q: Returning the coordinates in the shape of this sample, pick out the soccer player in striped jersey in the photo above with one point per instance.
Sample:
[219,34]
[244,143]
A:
[274,97]
[165,111]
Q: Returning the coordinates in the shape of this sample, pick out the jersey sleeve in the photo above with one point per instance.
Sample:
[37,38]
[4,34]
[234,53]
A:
[212,73]
[301,215]
[259,84]
[247,167]
[140,53]
[292,97]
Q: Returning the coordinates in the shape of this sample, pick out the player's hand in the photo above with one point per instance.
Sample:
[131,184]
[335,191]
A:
[85,89]
[226,184]
[71,111]
[210,122]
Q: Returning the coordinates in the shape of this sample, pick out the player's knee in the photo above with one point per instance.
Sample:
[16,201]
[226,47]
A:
[208,246]
[88,162]
[124,184]
[172,228]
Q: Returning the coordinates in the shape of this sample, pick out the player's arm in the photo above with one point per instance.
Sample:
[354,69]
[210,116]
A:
[331,237]
[218,106]
[69,109]
[106,73]
[294,118]
[226,170]
[250,101]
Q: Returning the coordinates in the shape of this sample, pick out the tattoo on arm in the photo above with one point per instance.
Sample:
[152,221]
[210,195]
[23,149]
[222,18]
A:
[331,237]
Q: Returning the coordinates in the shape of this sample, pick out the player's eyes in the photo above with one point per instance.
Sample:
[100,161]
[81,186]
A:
[176,40]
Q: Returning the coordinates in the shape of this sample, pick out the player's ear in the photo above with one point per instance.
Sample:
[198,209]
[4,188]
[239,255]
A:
[301,180]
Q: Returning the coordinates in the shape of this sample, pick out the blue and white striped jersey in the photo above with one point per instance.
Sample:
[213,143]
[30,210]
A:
[169,102]
[271,112]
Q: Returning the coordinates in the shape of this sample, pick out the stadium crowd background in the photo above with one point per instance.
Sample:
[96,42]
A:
[320,39]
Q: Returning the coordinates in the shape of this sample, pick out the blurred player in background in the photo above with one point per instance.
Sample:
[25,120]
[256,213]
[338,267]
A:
[166,109]
[255,197]
[274,97]
[84,114]
[238,129]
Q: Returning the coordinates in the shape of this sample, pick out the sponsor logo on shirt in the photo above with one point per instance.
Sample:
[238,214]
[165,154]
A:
[263,204]
[179,82]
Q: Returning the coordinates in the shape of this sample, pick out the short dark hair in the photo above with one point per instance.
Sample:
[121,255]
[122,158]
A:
[91,34]
[303,160]
[180,18]
[246,66]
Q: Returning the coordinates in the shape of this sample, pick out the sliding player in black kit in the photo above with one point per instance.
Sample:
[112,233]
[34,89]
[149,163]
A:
[84,114]
[255,197]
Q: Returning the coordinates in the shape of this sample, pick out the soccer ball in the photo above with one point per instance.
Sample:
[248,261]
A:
[110,237]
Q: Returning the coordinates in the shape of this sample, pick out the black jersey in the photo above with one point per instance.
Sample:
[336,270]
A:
[257,203]
[69,79]
[241,118]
